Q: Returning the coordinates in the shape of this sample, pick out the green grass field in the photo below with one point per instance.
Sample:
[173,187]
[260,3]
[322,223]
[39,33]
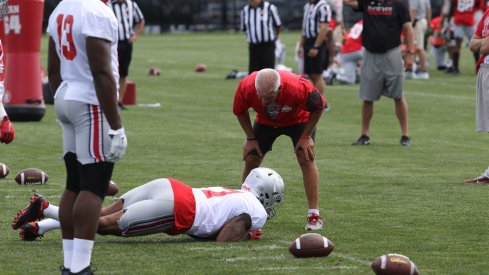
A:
[376,199]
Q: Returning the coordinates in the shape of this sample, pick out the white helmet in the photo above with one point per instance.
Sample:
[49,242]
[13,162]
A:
[268,187]
[3,9]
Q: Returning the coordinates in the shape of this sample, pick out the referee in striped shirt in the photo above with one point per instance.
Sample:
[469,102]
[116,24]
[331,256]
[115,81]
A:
[315,24]
[131,24]
[261,22]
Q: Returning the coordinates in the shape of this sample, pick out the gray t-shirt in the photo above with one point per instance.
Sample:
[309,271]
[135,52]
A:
[420,6]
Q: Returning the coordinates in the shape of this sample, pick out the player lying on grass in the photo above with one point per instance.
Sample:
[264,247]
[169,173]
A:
[169,206]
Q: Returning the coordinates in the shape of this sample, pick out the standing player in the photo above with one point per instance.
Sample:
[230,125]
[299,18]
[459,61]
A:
[131,24]
[6,127]
[82,66]
[462,12]
[480,43]
[285,104]
[169,206]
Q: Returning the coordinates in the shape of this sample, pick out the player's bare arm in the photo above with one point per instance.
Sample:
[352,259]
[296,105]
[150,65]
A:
[99,58]
[351,3]
[54,73]
[485,46]
[235,230]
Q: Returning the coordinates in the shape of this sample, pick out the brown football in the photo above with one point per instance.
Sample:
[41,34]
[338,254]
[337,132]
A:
[154,71]
[31,176]
[394,264]
[311,245]
[113,189]
[200,68]
[3,170]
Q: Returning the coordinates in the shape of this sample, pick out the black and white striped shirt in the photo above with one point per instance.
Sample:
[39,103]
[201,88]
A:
[128,15]
[314,14]
[260,23]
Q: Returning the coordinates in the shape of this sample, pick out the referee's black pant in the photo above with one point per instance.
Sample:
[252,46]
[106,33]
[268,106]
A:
[261,56]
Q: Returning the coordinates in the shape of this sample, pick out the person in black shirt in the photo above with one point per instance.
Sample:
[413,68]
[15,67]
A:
[261,22]
[382,71]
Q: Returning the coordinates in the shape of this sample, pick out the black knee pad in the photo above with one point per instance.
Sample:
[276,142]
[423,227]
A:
[72,172]
[95,177]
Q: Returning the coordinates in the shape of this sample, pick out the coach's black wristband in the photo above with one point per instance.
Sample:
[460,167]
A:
[250,139]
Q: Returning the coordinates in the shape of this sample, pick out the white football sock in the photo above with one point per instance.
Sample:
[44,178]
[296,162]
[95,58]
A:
[82,253]
[51,212]
[313,211]
[47,225]
[67,252]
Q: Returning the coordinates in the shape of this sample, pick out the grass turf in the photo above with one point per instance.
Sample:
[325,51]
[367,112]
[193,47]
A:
[377,199]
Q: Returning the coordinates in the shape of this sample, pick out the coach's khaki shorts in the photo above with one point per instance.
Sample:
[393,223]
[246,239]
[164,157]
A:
[419,31]
[482,99]
[382,74]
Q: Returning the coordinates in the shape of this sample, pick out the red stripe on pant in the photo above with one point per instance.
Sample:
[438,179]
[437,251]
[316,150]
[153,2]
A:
[96,126]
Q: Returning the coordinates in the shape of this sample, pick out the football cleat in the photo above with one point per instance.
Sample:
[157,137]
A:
[314,222]
[32,212]
[29,231]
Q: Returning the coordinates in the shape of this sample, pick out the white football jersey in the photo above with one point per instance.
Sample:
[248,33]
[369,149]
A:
[216,206]
[69,25]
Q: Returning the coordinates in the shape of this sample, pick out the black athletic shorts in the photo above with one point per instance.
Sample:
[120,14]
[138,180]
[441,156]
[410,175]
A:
[314,65]
[261,56]
[124,51]
[267,135]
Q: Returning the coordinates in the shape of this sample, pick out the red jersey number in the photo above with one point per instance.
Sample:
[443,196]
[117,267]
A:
[65,29]
[212,193]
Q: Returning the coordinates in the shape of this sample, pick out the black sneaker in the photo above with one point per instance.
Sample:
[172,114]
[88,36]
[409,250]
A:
[405,141]
[121,106]
[86,271]
[232,74]
[64,270]
[362,140]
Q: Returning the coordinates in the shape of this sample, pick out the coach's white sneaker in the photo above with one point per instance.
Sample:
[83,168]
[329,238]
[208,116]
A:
[421,76]
[314,222]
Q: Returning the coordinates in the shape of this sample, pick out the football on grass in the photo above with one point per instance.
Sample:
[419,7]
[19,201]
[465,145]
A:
[394,264]
[113,189]
[31,176]
[200,68]
[3,170]
[154,71]
[311,245]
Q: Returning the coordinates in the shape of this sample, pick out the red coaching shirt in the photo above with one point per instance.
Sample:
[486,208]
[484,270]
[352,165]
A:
[297,98]
[482,31]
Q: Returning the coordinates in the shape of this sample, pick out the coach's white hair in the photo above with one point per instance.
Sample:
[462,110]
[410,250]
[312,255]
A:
[267,80]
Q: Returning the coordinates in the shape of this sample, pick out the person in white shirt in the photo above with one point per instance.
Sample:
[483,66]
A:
[169,206]
[83,71]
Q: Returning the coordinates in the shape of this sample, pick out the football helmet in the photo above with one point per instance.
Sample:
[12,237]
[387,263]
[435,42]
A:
[3,9]
[268,187]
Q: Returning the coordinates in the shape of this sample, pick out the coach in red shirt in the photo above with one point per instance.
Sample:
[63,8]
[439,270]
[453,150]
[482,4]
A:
[285,104]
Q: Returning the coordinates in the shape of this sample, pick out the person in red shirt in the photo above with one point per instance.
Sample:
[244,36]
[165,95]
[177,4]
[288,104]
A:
[7,130]
[480,44]
[285,104]
[351,53]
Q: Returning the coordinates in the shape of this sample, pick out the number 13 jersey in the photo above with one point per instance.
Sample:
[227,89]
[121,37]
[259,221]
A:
[70,24]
